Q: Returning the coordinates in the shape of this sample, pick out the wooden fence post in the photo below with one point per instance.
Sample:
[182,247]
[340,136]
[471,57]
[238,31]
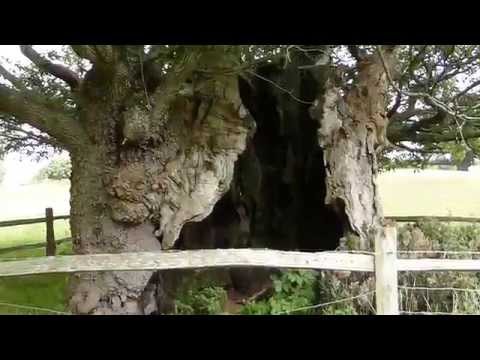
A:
[51,246]
[386,276]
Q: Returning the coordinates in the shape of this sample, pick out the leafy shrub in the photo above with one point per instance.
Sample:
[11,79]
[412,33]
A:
[297,289]
[443,237]
[205,301]
[293,290]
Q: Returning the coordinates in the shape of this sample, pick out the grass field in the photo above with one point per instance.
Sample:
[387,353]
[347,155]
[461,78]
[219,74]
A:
[430,192]
[403,192]
[31,234]
[40,291]
[30,201]
[46,291]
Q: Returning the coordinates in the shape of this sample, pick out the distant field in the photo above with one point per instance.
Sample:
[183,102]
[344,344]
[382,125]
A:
[430,192]
[403,192]
[25,201]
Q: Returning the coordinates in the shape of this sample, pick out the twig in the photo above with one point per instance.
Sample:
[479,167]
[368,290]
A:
[140,50]
[467,89]
[255,296]
[437,103]
[12,78]
[289,92]
[434,101]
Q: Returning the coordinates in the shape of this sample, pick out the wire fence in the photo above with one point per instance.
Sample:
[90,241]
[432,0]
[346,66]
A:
[405,289]
[430,313]
[311,307]
[34,308]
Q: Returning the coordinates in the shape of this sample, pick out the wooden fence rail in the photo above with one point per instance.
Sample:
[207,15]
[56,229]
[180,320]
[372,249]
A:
[395,218]
[32,246]
[189,259]
[50,242]
[384,263]
[30,221]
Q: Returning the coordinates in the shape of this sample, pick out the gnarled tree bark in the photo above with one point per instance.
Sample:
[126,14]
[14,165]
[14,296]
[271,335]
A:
[148,171]
[198,159]
[352,127]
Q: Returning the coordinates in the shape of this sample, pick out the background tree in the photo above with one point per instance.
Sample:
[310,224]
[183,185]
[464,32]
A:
[229,146]
[57,169]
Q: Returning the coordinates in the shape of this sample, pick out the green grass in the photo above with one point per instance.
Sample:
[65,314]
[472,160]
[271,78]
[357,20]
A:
[47,291]
[31,234]
[430,193]
[40,291]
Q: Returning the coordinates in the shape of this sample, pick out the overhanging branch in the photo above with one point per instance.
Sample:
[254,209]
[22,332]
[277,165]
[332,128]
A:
[49,117]
[12,78]
[433,101]
[85,52]
[356,52]
[59,71]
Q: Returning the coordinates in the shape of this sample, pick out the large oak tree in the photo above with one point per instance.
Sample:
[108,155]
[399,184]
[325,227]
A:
[177,147]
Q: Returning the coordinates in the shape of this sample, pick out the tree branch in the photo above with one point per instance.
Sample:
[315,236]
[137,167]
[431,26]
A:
[356,52]
[59,71]
[409,113]
[467,89]
[12,78]
[48,117]
[85,52]
[433,101]
[426,123]
[395,106]
[427,137]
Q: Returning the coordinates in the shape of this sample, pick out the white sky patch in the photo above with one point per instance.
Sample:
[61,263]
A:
[20,170]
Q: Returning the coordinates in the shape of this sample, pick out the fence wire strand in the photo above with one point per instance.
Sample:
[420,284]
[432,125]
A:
[438,252]
[431,313]
[27,307]
[438,288]
[325,304]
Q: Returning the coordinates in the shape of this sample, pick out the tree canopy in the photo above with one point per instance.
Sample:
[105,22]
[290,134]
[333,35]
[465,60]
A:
[432,104]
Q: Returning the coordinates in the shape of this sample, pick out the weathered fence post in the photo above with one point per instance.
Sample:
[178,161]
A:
[386,276]
[51,246]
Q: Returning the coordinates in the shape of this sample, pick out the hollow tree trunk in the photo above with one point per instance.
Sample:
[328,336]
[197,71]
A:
[352,128]
[146,171]
[306,179]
